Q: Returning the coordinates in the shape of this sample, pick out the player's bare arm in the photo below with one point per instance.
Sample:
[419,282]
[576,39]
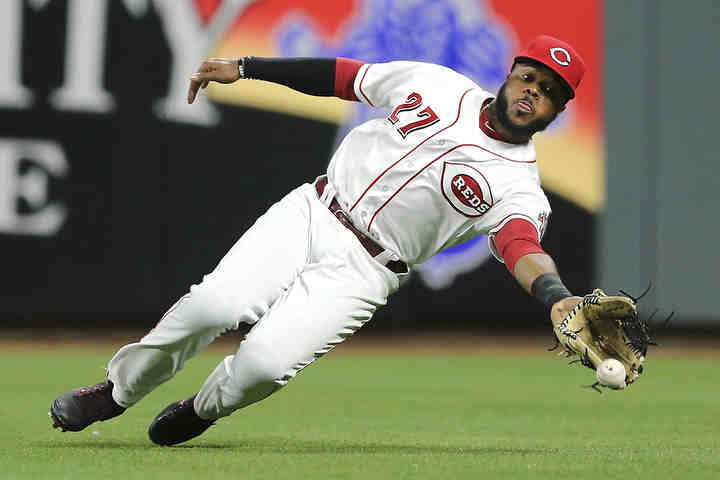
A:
[518,244]
[538,275]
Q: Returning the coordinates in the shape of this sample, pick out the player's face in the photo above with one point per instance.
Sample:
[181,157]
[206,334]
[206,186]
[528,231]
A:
[530,99]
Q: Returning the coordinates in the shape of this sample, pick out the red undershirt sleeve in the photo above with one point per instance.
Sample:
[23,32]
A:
[516,239]
[345,71]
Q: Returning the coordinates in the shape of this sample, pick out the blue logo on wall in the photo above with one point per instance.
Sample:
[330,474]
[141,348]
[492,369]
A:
[459,34]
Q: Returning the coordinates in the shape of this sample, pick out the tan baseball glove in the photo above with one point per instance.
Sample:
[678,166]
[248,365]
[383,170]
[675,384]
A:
[602,327]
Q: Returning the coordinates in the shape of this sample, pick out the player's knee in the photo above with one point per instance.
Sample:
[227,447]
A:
[160,364]
[257,372]
[259,361]
[211,307]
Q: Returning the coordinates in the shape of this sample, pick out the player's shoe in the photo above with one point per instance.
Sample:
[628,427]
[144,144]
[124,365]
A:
[74,410]
[178,423]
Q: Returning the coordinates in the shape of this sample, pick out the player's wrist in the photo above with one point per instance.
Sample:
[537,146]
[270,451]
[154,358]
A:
[313,76]
[241,66]
[549,289]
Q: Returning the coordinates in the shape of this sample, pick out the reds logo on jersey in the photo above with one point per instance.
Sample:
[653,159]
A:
[466,189]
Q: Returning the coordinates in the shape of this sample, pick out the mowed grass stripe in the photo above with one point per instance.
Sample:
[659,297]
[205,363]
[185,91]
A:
[374,416]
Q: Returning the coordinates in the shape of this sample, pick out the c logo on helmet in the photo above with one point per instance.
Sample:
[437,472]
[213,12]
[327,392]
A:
[554,52]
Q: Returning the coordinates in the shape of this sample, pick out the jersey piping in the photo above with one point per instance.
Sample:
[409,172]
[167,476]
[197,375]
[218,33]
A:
[433,161]
[421,170]
[501,156]
[408,153]
[361,82]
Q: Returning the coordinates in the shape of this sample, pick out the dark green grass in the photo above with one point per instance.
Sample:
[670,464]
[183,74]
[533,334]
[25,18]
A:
[372,416]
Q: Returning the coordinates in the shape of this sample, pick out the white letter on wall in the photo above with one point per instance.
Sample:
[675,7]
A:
[12,93]
[190,43]
[82,88]
[49,161]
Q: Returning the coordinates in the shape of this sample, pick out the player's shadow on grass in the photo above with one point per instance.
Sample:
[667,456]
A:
[292,446]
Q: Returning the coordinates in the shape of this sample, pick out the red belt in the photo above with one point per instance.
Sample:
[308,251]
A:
[372,247]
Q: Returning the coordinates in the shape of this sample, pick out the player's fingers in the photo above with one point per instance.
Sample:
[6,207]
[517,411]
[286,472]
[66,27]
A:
[214,69]
[200,79]
[196,81]
[202,76]
[208,76]
[192,91]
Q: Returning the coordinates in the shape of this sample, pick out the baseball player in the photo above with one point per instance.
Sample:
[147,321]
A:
[451,161]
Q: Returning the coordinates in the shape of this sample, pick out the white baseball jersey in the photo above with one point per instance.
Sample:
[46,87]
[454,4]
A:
[427,177]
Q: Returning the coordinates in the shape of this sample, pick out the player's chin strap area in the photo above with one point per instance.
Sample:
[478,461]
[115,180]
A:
[326,194]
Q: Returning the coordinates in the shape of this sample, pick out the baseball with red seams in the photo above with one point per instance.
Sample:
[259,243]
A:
[611,373]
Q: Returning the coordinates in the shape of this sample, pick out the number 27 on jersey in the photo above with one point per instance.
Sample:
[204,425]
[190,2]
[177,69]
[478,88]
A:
[426,116]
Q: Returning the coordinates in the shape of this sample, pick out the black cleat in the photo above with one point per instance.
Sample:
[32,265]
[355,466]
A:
[74,410]
[178,423]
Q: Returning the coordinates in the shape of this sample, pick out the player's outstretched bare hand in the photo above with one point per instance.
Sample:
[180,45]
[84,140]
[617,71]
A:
[221,70]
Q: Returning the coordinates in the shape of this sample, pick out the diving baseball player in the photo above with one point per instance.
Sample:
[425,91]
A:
[449,162]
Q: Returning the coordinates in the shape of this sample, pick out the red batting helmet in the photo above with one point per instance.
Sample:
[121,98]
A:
[559,56]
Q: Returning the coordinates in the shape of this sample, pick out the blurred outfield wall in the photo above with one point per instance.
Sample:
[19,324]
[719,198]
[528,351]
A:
[115,195]
[663,170]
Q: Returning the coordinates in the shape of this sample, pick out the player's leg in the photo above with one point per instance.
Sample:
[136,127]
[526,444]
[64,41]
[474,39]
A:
[314,316]
[246,282]
[330,300]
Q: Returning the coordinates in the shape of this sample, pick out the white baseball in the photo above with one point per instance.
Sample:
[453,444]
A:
[611,373]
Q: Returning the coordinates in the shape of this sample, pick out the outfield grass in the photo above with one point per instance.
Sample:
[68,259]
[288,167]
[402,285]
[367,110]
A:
[379,416]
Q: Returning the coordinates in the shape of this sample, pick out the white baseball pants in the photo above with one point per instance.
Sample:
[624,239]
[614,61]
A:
[297,274]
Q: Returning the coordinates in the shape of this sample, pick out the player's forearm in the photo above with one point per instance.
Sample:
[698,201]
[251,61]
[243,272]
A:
[517,242]
[323,77]
[529,267]
[538,275]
